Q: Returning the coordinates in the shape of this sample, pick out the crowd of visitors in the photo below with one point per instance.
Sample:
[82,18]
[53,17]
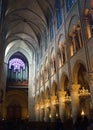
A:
[82,123]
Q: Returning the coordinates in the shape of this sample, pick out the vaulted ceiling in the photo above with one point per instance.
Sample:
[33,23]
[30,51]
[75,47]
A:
[26,20]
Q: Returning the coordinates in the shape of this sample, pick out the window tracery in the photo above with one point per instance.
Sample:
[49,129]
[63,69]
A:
[16,64]
[58,13]
[69,4]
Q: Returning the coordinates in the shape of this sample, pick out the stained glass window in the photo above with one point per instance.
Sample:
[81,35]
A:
[16,64]
[58,13]
[69,4]
[51,27]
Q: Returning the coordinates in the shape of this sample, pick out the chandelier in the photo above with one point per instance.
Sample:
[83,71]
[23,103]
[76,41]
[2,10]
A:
[67,98]
[83,92]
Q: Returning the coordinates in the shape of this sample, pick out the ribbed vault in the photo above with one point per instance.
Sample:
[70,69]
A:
[27,20]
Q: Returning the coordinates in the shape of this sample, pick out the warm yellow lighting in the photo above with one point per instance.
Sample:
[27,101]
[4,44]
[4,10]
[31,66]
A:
[89,31]
[71,50]
[42,106]
[3,119]
[67,98]
[55,102]
[47,104]
[60,63]
[49,115]
[83,92]
[82,113]
[56,114]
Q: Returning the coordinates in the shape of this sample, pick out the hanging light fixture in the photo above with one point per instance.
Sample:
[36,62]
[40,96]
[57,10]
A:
[67,98]
[83,92]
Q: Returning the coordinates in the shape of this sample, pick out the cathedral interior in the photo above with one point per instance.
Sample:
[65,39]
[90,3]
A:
[46,59]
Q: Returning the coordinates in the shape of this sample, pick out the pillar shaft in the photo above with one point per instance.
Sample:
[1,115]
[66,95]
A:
[31,91]
[91,86]
[41,114]
[61,105]
[47,110]
[53,108]
[75,101]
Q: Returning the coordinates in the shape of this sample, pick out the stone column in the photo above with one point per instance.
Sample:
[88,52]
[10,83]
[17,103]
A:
[4,89]
[31,91]
[61,105]
[2,86]
[53,108]
[91,86]
[41,114]
[41,111]
[37,111]
[75,101]
[47,112]
[37,114]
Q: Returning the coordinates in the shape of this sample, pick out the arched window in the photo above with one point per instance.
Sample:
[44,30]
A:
[51,26]
[16,64]
[58,13]
[69,4]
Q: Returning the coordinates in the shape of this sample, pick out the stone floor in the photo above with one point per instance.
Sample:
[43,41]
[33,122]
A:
[26,125]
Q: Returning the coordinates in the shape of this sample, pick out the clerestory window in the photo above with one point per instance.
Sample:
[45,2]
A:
[69,4]
[58,13]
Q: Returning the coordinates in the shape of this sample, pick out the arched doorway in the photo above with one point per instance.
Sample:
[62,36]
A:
[14,112]
[16,105]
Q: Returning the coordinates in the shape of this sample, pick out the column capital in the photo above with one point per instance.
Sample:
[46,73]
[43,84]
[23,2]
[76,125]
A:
[75,87]
[53,97]
[61,94]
